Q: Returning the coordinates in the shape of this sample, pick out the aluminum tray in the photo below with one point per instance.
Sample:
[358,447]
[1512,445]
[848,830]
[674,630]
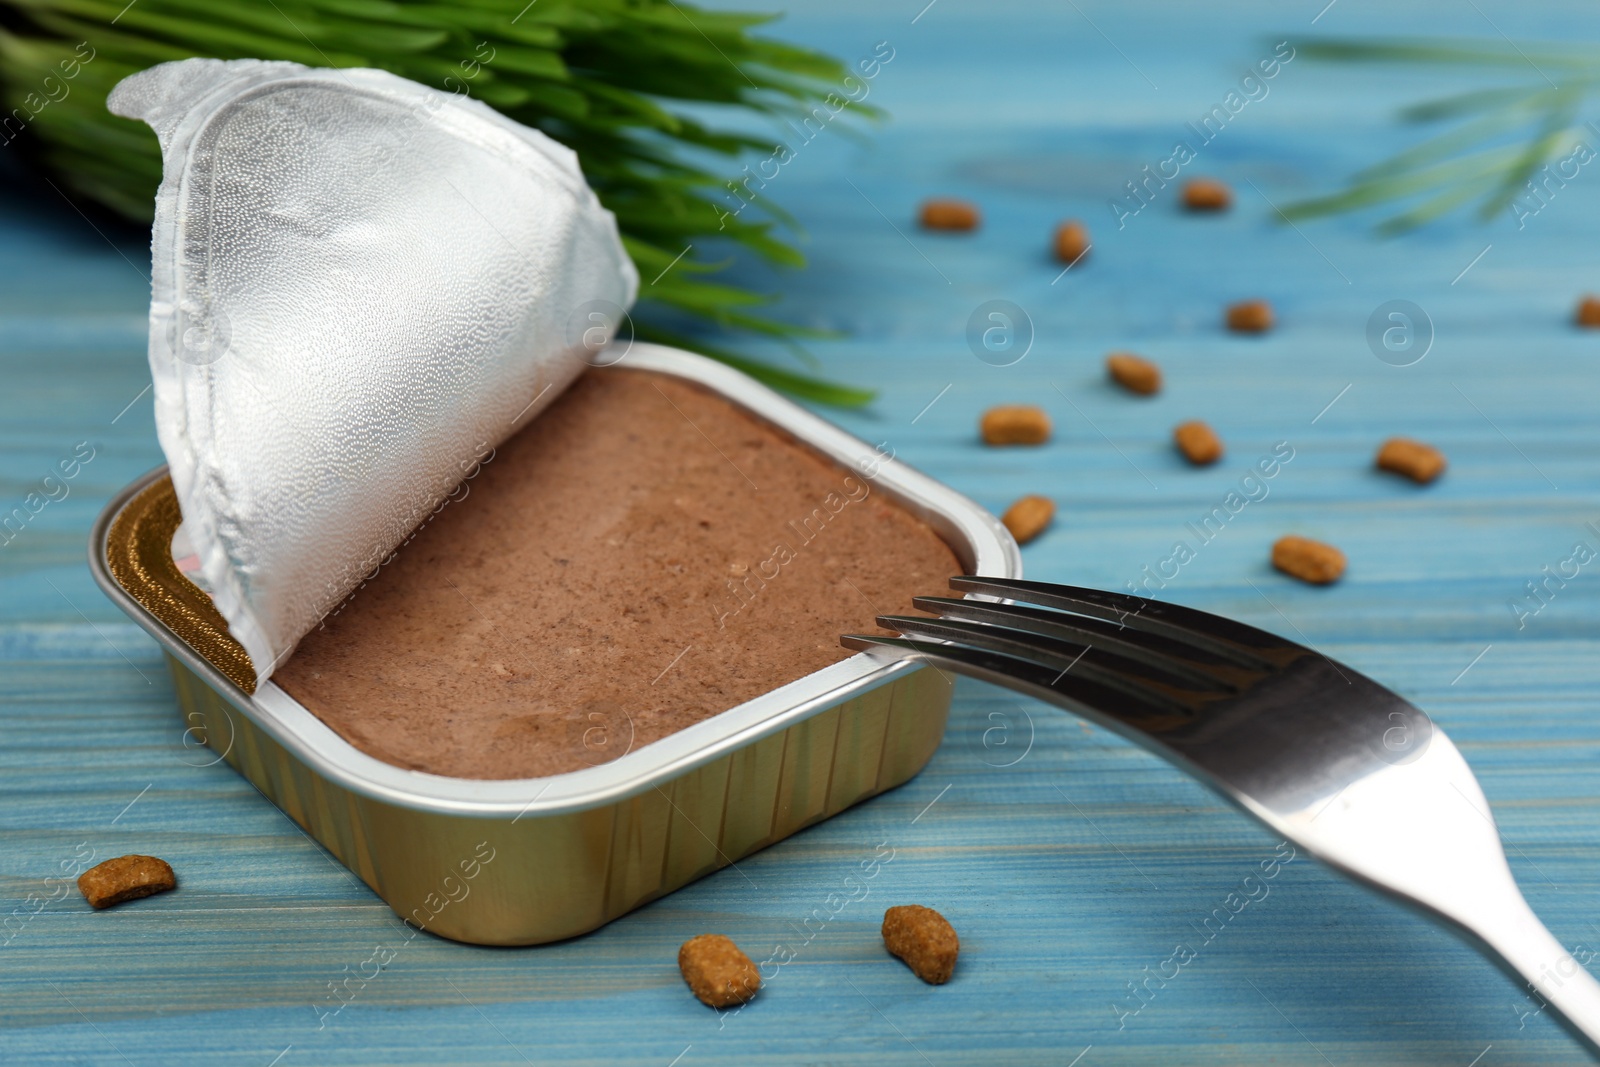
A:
[526,861]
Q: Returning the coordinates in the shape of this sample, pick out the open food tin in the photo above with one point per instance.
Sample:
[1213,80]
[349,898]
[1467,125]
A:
[527,861]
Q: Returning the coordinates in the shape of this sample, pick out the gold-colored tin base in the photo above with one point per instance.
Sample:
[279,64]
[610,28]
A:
[537,879]
[501,863]
[525,881]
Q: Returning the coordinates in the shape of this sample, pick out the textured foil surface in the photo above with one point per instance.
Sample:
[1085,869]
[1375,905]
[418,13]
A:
[360,285]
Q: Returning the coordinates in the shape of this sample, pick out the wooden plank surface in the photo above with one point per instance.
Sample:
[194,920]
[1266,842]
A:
[1069,861]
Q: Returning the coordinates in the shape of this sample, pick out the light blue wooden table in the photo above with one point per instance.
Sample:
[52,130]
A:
[1069,861]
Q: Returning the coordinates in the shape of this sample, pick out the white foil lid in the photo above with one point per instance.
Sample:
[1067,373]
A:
[360,285]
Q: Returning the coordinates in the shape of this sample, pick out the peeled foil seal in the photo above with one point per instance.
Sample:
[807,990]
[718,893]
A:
[360,286]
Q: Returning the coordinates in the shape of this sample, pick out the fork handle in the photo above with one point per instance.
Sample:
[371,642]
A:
[1532,953]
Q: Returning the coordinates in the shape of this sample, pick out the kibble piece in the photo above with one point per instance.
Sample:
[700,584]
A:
[1198,442]
[717,972]
[1207,194]
[1589,312]
[1015,424]
[1027,518]
[1308,560]
[1134,373]
[1417,461]
[1072,241]
[1250,316]
[125,878]
[924,940]
[949,214]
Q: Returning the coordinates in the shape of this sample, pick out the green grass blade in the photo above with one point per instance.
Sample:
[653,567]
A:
[1457,140]
[1380,190]
[835,394]
[1434,207]
[1460,105]
[1463,52]
[1516,178]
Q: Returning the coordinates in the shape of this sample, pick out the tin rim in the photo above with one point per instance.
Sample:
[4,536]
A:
[983,545]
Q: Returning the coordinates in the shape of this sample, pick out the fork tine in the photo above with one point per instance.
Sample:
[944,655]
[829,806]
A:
[1234,641]
[1196,666]
[1109,669]
[1127,713]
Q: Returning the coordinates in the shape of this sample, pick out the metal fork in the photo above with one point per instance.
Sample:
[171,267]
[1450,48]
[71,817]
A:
[1325,756]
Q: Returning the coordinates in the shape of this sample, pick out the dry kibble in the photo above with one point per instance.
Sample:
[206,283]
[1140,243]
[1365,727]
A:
[1027,518]
[125,878]
[1134,373]
[1308,560]
[1207,194]
[717,972]
[1417,461]
[1250,316]
[923,939]
[1015,424]
[1072,241]
[1589,312]
[1198,442]
[948,214]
